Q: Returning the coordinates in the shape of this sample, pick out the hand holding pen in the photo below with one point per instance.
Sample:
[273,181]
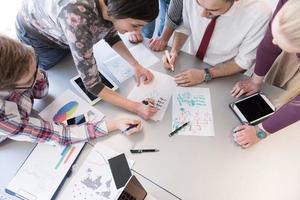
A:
[169,60]
[147,108]
[129,126]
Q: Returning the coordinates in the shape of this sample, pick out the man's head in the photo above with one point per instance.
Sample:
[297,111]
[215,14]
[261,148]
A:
[213,8]
[131,15]
[17,64]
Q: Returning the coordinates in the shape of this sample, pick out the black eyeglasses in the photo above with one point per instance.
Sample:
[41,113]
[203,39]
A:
[33,80]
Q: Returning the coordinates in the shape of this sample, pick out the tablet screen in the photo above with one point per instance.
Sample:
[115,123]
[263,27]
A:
[92,97]
[254,108]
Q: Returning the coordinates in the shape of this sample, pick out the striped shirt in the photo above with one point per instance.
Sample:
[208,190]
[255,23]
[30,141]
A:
[174,16]
[17,123]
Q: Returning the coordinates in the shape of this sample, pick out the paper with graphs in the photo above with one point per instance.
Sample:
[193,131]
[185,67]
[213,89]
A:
[94,179]
[193,105]
[122,70]
[160,89]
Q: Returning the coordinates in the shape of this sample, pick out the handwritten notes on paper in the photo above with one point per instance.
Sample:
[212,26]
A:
[160,89]
[194,105]
[122,70]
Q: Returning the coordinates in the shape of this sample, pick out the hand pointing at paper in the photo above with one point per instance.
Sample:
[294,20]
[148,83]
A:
[141,72]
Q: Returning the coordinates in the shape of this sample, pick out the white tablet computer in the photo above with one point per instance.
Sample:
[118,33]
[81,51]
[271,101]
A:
[253,109]
[89,97]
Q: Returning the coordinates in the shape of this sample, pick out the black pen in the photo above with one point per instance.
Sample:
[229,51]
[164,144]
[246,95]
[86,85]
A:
[143,150]
[178,129]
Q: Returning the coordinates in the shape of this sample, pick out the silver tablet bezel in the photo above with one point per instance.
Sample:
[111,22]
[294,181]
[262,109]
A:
[243,118]
[72,80]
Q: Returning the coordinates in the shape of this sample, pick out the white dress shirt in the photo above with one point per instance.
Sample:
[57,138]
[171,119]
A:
[237,32]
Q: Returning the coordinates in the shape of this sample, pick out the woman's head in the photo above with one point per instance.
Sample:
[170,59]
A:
[286,27]
[17,63]
[131,15]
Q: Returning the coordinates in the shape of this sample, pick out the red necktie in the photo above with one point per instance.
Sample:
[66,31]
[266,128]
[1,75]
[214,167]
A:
[206,38]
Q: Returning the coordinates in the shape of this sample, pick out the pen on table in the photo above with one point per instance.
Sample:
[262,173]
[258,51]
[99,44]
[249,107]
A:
[169,59]
[143,150]
[178,129]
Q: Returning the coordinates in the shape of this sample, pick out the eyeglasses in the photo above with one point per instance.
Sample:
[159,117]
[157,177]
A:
[33,79]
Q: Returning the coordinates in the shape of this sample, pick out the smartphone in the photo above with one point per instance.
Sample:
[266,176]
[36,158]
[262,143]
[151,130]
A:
[89,97]
[253,109]
[77,120]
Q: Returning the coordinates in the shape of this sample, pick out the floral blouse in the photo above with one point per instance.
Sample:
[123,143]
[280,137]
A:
[73,24]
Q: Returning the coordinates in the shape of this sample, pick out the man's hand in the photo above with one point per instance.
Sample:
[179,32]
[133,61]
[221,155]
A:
[168,64]
[190,77]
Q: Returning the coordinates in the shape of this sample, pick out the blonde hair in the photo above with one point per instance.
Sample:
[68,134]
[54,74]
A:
[289,23]
[15,59]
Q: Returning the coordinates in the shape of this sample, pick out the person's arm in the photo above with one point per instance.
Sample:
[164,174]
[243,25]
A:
[225,69]
[179,40]
[140,71]
[284,116]
[145,111]
[38,130]
[173,20]
[41,86]
[267,52]
[80,40]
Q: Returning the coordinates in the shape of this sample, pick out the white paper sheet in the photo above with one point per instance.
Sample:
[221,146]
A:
[94,178]
[47,165]
[43,171]
[122,70]
[160,89]
[193,105]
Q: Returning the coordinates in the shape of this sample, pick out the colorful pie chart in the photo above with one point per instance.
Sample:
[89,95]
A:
[66,111]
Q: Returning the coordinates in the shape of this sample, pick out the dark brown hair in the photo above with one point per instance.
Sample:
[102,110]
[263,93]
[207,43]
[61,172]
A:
[146,10]
[15,59]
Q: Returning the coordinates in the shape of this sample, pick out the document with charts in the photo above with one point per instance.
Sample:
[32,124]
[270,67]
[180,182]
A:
[122,70]
[94,179]
[47,165]
[160,89]
[193,105]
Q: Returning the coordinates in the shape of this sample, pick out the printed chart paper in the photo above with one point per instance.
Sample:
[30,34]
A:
[94,179]
[45,168]
[193,105]
[122,70]
[160,89]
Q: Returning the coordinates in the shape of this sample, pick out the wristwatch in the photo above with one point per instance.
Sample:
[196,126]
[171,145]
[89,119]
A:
[260,133]
[207,75]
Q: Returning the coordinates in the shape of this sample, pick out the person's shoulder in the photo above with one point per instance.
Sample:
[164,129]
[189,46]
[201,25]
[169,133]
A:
[81,6]
[259,8]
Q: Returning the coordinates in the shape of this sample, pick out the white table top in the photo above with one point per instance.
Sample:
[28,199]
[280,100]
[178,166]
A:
[192,167]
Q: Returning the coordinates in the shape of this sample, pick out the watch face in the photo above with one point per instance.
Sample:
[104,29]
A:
[207,76]
[261,134]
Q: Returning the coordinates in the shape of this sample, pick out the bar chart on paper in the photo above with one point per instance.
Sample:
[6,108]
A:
[46,168]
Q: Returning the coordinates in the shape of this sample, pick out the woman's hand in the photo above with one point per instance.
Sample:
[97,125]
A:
[146,111]
[141,72]
[245,136]
[124,124]
[248,86]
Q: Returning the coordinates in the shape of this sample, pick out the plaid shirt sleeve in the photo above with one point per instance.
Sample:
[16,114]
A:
[33,129]
[41,87]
